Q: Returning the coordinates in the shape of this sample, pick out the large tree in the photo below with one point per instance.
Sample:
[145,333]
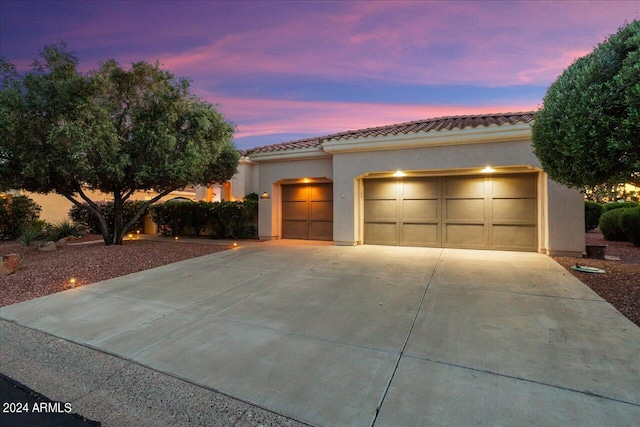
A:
[587,132]
[113,129]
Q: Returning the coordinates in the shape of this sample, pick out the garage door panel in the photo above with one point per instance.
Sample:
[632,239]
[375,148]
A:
[321,230]
[465,235]
[420,188]
[465,209]
[514,237]
[463,186]
[482,211]
[420,235]
[321,211]
[322,192]
[521,210]
[295,229]
[294,193]
[381,233]
[379,210]
[380,189]
[514,186]
[307,211]
[415,210]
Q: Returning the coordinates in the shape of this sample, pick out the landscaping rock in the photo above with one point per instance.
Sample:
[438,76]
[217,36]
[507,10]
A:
[10,264]
[47,247]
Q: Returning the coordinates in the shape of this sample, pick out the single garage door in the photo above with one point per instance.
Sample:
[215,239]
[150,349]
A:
[476,212]
[307,211]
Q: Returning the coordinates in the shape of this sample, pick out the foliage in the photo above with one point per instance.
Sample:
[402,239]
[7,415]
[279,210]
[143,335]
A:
[610,225]
[592,213]
[16,212]
[112,129]
[617,205]
[61,230]
[252,197]
[30,233]
[81,215]
[630,224]
[222,219]
[587,132]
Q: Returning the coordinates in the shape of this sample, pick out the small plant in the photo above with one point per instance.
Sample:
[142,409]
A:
[630,224]
[592,213]
[610,225]
[31,233]
[62,229]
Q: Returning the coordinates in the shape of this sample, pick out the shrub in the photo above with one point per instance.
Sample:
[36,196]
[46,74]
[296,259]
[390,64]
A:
[630,224]
[62,229]
[16,212]
[173,217]
[129,208]
[592,213]
[223,219]
[31,232]
[610,225]
[620,205]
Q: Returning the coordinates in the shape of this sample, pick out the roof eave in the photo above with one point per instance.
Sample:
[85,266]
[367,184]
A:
[494,133]
[292,154]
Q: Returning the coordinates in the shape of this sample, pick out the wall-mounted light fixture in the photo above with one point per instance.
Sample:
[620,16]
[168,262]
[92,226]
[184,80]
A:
[265,195]
[399,174]
[488,169]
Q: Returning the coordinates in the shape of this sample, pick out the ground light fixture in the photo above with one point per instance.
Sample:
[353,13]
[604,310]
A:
[72,282]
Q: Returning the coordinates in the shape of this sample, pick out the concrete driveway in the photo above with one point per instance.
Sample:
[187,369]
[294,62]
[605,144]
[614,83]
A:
[368,335]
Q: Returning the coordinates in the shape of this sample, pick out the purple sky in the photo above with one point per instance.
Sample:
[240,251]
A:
[283,70]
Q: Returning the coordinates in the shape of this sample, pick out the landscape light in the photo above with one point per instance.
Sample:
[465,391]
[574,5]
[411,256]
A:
[72,282]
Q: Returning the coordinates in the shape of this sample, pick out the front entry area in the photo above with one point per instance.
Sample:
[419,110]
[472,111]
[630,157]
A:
[307,211]
[475,212]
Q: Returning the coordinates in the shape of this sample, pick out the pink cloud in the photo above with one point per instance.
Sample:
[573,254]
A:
[256,117]
[485,43]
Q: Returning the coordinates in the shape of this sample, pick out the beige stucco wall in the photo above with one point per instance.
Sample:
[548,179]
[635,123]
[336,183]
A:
[560,210]
[245,180]
[55,208]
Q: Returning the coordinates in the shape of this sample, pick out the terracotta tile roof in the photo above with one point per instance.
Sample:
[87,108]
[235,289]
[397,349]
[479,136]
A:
[434,124]
[293,145]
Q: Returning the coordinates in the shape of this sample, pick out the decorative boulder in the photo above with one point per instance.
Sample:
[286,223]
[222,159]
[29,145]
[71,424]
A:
[47,247]
[10,264]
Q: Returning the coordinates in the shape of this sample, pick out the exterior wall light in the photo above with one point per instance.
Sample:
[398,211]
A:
[399,174]
[488,169]
[265,195]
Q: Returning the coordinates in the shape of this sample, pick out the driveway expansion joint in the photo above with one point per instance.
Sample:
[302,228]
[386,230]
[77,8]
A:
[528,380]
[406,341]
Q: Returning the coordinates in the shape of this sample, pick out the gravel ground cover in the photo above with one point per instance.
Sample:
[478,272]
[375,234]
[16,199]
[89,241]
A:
[620,285]
[44,273]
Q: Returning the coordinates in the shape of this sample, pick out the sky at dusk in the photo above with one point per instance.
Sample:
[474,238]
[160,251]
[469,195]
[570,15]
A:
[285,70]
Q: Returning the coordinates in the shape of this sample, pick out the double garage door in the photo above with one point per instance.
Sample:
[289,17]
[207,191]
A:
[476,212]
[307,211]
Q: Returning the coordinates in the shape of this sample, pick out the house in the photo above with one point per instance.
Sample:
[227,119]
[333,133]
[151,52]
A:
[453,182]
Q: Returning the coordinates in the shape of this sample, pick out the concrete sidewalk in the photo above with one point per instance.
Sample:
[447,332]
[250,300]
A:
[366,335]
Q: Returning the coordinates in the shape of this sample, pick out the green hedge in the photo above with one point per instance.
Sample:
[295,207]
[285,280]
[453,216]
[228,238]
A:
[219,219]
[620,205]
[610,225]
[630,224]
[592,213]
[16,212]
[89,220]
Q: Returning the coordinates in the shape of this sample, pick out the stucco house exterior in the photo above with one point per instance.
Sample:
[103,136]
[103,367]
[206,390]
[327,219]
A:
[454,182]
